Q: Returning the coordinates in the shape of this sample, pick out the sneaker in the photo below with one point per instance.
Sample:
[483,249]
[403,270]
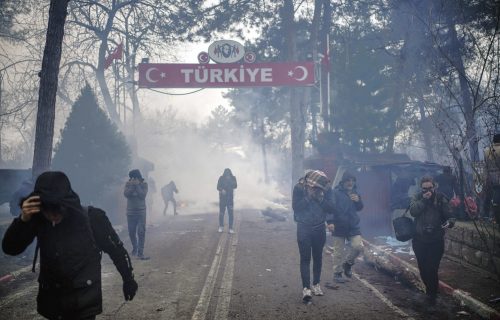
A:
[231,231]
[142,257]
[316,290]
[347,269]
[134,252]
[220,230]
[306,294]
[337,277]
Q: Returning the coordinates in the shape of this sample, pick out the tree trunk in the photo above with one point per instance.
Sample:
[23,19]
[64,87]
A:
[297,127]
[399,82]
[101,79]
[44,135]
[470,125]
[426,129]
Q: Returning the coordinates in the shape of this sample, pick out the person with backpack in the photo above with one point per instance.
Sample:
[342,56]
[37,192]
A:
[226,185]
[311,203]
[70,239]
[347,203]
[432,214]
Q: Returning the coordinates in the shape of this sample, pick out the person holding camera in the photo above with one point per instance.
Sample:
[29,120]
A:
[346,227]
[70,239]
[432,215]
[311,202]
[135,191]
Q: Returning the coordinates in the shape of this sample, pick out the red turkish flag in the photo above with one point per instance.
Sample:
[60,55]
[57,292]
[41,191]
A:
[115,55]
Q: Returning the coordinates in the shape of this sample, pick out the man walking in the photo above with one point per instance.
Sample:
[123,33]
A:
[70,239]
[226,185]
[346,221]
[135,191]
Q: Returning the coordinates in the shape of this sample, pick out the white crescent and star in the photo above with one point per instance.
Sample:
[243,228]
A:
[148,75]
[305,73]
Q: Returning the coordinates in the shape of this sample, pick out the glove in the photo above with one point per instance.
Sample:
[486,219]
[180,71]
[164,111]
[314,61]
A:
[129,289]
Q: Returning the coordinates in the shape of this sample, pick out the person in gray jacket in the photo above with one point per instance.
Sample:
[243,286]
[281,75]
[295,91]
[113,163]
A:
[135,191]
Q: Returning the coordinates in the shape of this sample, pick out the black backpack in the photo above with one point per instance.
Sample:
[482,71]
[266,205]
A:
[404,227]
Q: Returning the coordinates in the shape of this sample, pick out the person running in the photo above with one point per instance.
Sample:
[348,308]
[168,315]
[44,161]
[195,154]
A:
[167,193]
[311,201]
[226,185]
[346,221]
[70,239]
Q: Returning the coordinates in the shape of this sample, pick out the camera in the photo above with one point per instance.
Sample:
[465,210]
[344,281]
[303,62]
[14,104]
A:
[428,229]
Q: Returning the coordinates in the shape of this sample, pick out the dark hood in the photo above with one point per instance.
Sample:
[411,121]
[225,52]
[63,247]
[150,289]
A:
[54,188]
[227,172]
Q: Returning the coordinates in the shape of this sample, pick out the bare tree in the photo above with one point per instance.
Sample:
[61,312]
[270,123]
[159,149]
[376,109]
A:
[42,155]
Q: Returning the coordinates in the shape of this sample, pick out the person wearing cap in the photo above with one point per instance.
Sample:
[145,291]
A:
[346,221]
[226,185]
[311,202]
[70,239]
[135,191]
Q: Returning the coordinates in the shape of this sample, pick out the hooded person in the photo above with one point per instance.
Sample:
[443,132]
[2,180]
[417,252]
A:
[135,191]
[226,185]
[345,218]
[70,239]
[167,193]
[311,203]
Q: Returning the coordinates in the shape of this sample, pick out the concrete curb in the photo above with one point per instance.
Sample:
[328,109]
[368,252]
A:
[395,265]
[15,274]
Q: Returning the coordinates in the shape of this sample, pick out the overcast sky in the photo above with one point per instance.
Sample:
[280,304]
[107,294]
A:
[195,107]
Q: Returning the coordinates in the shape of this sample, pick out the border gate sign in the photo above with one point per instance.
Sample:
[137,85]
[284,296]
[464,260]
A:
[226,75]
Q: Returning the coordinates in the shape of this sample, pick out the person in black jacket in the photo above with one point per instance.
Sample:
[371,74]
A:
[311,202]
[226,185]
[432,214]
[70,239]
[347,203]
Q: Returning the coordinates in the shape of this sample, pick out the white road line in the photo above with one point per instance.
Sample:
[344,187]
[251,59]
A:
[200,312]
[383,298]
[222,310]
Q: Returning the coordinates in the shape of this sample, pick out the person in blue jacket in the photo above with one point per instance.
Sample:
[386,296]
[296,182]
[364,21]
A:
[347,203]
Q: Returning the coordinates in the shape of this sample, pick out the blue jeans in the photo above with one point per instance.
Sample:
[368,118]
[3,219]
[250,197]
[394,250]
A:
[137,231]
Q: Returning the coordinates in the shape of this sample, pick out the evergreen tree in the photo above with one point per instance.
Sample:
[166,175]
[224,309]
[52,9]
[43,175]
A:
[92,152]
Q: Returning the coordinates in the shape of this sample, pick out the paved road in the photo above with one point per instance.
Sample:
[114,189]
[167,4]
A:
[197,273]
